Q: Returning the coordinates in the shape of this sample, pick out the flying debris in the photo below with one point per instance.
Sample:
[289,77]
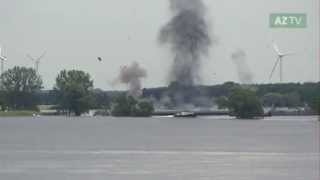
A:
[279,61]
[188,35]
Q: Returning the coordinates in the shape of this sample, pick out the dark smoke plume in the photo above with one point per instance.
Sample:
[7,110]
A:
[131,76]
[187,33]
[244,73]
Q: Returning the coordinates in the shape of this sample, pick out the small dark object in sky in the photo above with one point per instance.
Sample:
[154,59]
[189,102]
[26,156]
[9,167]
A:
[99,59]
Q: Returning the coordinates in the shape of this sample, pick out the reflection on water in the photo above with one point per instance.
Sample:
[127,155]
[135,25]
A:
[159,148]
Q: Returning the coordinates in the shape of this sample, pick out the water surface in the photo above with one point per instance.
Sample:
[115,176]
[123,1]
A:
[215,148]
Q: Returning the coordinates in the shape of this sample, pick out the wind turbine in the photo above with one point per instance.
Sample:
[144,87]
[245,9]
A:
[3,59]
[36,60]
[279,61]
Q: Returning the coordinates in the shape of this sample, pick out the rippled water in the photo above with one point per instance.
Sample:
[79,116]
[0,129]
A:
[215,148]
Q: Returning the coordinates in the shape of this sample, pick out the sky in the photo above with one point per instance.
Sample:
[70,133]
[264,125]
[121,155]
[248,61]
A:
[75,32]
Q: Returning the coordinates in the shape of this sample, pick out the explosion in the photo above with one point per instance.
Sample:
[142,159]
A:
[187,33]
[240,60]
[131,76]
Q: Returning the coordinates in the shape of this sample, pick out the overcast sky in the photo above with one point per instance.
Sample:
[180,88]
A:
[74,33]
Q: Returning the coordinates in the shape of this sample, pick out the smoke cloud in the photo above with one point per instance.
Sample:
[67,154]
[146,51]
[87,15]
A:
[131,76]
[244,73]
[187,34]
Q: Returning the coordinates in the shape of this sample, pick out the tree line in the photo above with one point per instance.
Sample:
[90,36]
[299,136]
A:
[270,95]
[74,94]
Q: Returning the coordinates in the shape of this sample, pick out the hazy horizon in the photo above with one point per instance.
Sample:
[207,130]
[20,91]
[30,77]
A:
[75,33]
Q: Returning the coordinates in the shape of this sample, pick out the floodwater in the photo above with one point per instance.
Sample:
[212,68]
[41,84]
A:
[205,148]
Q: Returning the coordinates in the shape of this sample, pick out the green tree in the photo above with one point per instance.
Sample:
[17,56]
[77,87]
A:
[74,91]
[127,106]
[19,88]
[273,100]
[315,105]
[244,103]
[293,100]
[2,101]
[222,102]
[102,99]
[144,109]
[123,105]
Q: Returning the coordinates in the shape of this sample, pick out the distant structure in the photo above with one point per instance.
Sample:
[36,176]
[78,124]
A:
[36,61]
[3,59]
[279,61]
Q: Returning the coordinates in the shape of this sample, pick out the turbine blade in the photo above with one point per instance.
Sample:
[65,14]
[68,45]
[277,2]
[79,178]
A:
[39,58]
[289,54]
[30,57]
[274,68]
[276,48]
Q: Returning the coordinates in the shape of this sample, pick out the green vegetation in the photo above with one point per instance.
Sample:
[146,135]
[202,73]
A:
[271,95]
[292,94]
[315,105]
[243,103]
[291,100]
[102,99]
[17,113]
[19,89]
[127,106]
[74,92]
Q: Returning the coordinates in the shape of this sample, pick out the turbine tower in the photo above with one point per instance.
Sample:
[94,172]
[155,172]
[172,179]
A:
[3,59]
[36,61]
[279,61]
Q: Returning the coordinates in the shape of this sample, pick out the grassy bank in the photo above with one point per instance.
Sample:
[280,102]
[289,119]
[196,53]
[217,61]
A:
[17,113]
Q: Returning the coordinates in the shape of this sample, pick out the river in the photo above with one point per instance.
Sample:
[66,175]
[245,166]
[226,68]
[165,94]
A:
[159,148]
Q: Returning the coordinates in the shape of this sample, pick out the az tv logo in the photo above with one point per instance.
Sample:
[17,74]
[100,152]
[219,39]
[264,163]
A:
[288,20]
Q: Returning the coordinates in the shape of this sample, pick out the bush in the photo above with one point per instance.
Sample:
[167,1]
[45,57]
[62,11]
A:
[127,106]
[143,109]
[315,105]
[244,104]
[102,113]
[18,113]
